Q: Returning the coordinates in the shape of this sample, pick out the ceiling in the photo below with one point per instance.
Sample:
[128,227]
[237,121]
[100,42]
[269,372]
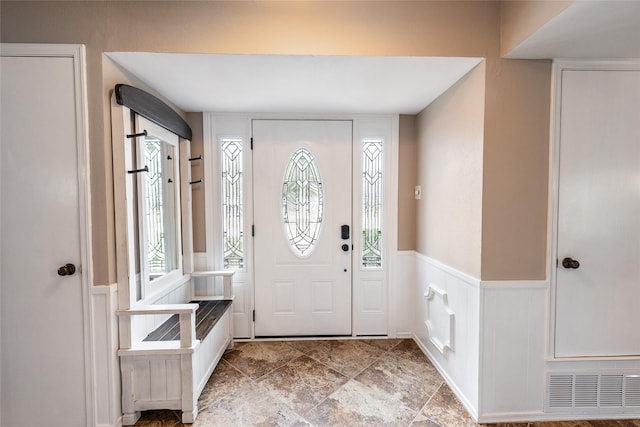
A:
[296,83]
[368,84]
[587,29]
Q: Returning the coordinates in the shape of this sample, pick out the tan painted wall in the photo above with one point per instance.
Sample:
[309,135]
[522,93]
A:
[451,134]
[407,180]
[520,19]
[516,165]
[198,191]
[315,27]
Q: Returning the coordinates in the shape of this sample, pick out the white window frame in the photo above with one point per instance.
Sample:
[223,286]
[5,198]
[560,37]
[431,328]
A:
[150,288]
[368,319]
[216,127]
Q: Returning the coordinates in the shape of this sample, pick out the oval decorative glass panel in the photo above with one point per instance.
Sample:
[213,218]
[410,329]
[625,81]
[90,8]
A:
[302,202]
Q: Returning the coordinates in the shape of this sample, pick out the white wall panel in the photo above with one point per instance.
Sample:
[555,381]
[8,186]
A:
[459,366]
[106,372]
[405,285]
[513,337]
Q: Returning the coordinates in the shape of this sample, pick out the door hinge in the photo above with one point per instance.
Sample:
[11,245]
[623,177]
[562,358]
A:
[254,315]
[253,230]
[252,143]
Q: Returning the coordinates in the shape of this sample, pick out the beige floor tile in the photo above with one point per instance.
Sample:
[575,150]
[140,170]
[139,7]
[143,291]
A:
[303,383]
[349,357]
[408,349]
[356,404]
[162,418]
[256,359]
[383,343]
[445,409]
[425,423]
[334,383]
[225,380]
[307,346]
[415,382]
[253,406]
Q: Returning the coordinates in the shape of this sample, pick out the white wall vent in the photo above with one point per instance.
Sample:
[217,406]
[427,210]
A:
[592,390]
[632,395]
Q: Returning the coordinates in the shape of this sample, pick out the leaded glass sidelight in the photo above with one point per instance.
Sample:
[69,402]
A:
[302,202]
[372,202]
[232,206]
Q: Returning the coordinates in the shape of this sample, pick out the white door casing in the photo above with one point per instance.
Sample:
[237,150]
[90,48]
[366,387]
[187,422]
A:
[598,214]
[308,294]
[46,351]
[374,294]
[217,129]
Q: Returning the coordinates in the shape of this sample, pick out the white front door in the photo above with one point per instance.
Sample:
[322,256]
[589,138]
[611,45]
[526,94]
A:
[44,376]
[598,247]
[302,199]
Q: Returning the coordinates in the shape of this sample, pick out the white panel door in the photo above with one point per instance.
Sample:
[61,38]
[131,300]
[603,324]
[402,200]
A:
[598,287]
[302,262]
[43,351]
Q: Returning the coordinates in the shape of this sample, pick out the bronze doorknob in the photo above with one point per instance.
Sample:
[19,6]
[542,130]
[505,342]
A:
[67,270]
[570,263]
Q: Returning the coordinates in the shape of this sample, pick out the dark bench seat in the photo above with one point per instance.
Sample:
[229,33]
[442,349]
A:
[207,315]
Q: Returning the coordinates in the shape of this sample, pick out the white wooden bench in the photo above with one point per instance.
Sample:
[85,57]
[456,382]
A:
[169,369]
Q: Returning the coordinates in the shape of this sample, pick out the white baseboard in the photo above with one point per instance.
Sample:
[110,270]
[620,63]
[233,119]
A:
[405,284]
[452,385]
[106,368]
[405,335]
[117,424]
[520,417]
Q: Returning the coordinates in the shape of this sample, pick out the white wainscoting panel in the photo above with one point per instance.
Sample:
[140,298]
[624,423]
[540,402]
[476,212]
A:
[439,319]
[405,285]
[499,363]
[106,368]
[460,365]
[512,349]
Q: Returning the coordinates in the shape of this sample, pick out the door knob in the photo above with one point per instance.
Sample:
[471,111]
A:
[570,263]
[67,270]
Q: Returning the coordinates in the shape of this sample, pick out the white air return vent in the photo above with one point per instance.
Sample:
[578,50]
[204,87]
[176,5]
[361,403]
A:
[632,391]
[592,390]
[560,391]
[611,390]
[586,391]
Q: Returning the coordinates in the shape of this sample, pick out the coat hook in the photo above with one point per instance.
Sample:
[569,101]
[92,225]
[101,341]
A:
[144,169]
[135,135]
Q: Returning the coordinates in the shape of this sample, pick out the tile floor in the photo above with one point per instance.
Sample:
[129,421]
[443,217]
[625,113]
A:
[332,383]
